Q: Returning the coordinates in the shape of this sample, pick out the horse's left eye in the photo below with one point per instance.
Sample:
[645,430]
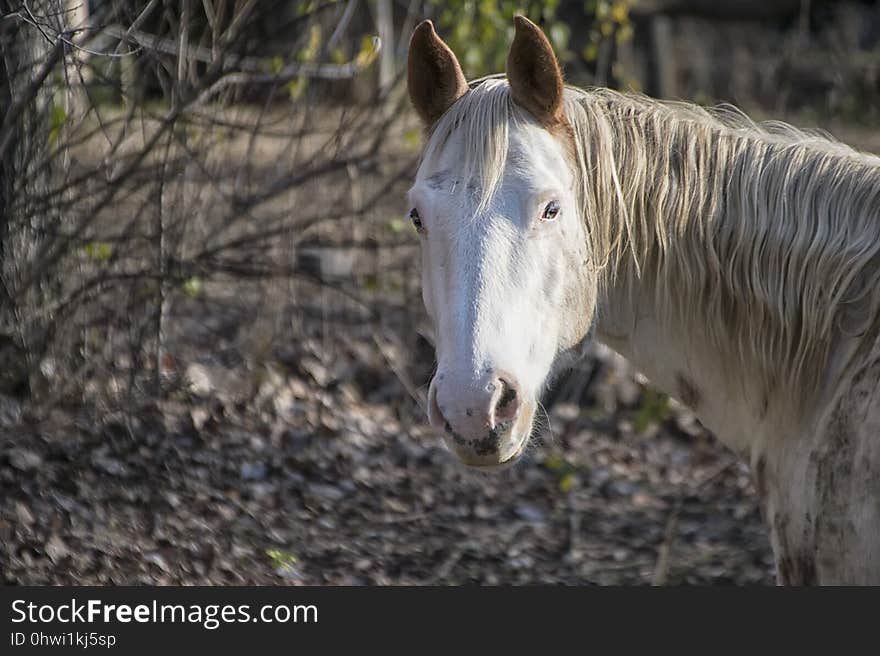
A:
[416,219]
[551,211]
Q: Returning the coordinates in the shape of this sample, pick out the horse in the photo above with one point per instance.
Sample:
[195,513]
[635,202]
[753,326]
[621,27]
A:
[737,265]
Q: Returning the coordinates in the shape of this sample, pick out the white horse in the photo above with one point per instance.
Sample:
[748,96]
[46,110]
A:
[737,265]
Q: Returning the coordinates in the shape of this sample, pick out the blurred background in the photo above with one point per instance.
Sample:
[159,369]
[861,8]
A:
[213,350]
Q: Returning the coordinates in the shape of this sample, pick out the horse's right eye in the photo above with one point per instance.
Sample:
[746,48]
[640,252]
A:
[416,219]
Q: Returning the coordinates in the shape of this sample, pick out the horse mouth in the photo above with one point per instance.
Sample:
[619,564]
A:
[521,427]
[508,462]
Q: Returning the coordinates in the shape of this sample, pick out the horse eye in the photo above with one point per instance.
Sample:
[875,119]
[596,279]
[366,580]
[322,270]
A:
[551,211]
[416,219]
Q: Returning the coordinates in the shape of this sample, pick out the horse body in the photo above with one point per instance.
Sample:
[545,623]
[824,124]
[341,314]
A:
[817,477]
[737,266]
[808,428]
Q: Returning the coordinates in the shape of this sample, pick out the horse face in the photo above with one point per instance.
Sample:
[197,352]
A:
[506,286]
[506,273]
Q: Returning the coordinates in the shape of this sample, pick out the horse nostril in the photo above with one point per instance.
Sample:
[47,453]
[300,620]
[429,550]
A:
[508,395]
[507,405]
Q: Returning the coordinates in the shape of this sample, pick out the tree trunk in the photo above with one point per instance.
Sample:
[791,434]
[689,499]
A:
[26,98]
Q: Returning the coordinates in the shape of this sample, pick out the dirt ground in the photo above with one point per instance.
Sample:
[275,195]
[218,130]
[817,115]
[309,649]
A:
[306,485]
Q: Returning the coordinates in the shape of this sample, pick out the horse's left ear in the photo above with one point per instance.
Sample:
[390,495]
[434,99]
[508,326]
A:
[534,74]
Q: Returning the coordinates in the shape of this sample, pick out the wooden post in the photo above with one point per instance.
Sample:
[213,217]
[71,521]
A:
[385,28]
[664,83]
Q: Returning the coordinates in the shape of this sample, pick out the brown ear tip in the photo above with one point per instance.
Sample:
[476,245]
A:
[522,22]
[426,27]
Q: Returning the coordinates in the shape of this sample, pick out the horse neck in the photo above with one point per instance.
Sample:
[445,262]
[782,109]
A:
[697,290]
[681,366]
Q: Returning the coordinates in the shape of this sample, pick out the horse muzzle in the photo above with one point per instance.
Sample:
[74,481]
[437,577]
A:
[486,425]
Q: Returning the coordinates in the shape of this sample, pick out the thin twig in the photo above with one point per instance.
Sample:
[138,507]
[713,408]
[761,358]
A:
[664,555]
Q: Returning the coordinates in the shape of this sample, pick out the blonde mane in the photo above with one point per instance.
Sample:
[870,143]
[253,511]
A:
[761,240]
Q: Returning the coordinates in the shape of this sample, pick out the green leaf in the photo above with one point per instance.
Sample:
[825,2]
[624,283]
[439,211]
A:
[620,12]
[412,138]
[313,45]
[590,52]
[58,119]
[654,410]
[280,558]
[305,8]
[566,482]
[296,88]
[98,251]
[371,283]
[337,56]
[555,463]
[193,286]
[368,53]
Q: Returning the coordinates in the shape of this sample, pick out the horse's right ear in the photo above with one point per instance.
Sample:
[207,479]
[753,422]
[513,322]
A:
[434,75]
